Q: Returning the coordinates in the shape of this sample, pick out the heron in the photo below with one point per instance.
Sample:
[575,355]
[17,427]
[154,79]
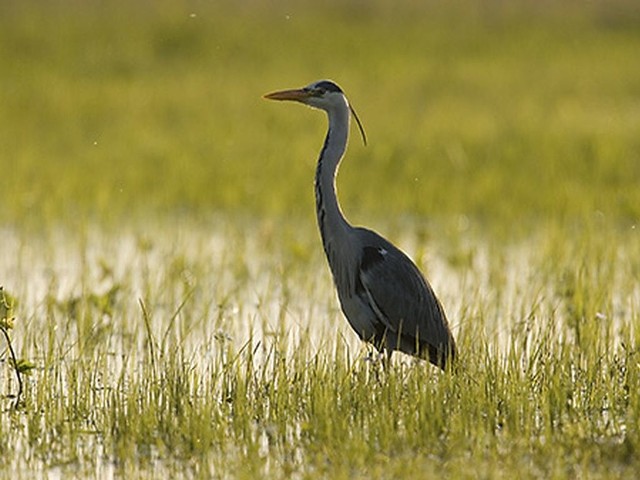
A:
[382,293]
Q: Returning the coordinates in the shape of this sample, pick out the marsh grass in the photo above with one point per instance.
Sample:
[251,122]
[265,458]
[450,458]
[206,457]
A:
[158,237]
[200,368]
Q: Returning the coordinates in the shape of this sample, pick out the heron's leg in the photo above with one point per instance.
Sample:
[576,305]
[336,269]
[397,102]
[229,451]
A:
[379,361]
[376,357]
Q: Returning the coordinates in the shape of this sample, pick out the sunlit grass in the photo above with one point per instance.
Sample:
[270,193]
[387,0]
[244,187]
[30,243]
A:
[158,236]
[161,352]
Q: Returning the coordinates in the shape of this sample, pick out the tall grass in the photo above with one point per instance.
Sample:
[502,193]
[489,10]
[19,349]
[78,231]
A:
[158,236]
[166,358]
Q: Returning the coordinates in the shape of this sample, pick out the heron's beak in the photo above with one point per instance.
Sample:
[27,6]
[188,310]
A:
[297,95]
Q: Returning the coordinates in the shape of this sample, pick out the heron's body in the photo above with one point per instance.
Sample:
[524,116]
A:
[382,293]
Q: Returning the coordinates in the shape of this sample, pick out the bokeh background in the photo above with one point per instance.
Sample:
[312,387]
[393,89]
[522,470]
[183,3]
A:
[500,112]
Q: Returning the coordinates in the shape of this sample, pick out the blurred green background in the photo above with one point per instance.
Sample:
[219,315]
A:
[502,112]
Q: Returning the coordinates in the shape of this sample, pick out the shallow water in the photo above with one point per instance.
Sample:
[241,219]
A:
[224,282]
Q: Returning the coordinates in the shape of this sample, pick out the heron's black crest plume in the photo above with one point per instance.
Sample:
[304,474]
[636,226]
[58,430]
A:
[329,86]
[360,127]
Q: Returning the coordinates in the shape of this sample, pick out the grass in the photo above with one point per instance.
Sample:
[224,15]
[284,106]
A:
[164,358]
[157,234]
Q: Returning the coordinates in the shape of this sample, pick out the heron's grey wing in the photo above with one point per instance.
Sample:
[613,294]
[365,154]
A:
[401,297]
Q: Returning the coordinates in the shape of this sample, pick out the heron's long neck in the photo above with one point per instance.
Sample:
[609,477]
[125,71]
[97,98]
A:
[331,221]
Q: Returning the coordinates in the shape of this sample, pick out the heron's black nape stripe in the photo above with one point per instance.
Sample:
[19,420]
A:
[329,86]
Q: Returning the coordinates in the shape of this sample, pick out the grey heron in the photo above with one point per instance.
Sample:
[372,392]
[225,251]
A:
[384,296]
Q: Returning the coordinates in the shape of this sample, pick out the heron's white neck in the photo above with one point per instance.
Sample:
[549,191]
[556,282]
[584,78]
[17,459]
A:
[331,221]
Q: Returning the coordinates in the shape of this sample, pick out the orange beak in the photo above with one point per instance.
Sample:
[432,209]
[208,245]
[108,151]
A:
[297,95]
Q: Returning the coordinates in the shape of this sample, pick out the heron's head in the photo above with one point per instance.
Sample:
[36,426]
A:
[323,94]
